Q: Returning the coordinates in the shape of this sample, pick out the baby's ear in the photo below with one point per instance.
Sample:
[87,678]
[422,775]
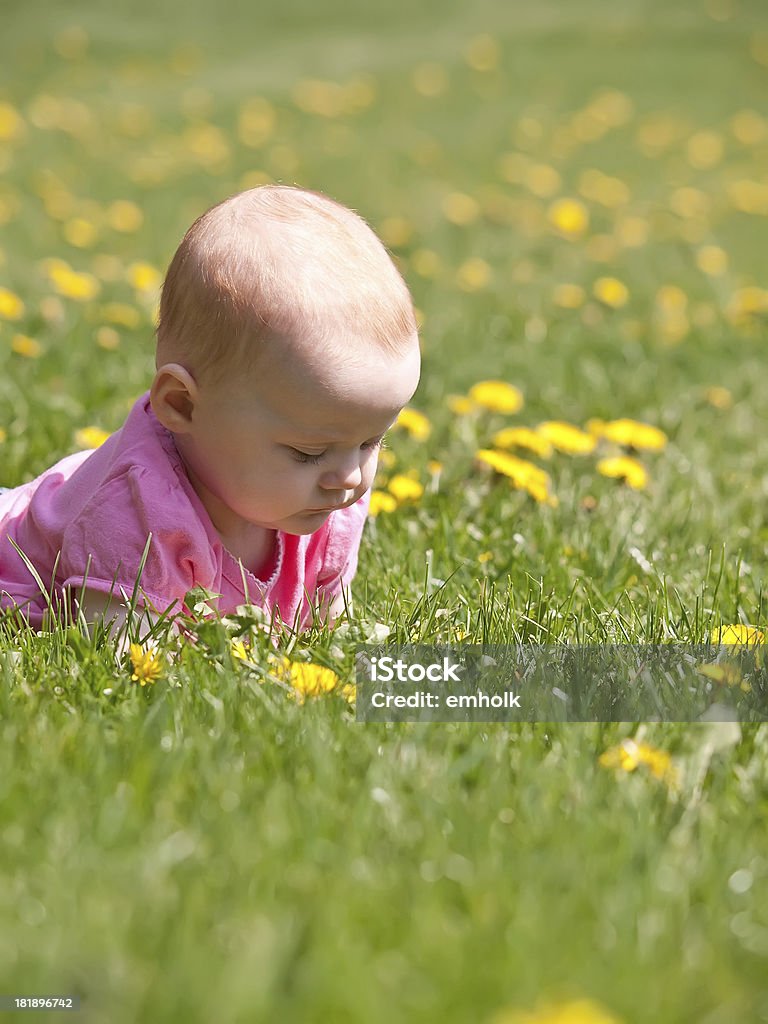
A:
[173,396]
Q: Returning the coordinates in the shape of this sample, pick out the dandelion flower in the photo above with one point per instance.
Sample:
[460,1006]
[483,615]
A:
[712,260]
[415,423]
[575,1011]
[121,313]
[72,284]
[460,405]
[483,53]
[25,346]
[461,209]
[737,634]
[625,468]
[404,488]
[719,397]
[11,123]
[569,216]
[523,437]
[91,437]
[568,296]
[473,275]
[144,277]
[630,755]
[633,434]
[523,474]
[724,675]
[11,306]
[124,216]
[80,232]
[611,292]
[307,679]
[147,665]
[566,438]
[381,502]
[429,80]
[497,396]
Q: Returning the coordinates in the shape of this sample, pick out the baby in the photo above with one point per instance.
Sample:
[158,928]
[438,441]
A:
[286,347]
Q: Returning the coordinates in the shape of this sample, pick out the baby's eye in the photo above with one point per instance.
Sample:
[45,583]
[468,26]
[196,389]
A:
[301,456]
[379,442]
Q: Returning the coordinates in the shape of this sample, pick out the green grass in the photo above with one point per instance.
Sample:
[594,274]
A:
[208,848]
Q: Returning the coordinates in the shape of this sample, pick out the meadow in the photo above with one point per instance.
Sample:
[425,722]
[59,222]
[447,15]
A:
[576,196]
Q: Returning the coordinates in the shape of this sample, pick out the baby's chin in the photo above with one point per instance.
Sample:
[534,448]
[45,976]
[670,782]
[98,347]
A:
[304,523]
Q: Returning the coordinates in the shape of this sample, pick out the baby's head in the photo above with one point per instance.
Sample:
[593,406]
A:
[285,331]
[278,265]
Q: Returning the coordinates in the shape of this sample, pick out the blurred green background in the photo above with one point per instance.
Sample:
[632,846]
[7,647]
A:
[576,195]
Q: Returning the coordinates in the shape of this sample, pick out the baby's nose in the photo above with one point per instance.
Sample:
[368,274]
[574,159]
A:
[347,477]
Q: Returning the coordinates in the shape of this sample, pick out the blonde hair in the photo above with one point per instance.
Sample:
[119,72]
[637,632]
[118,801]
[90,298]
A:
[278,261]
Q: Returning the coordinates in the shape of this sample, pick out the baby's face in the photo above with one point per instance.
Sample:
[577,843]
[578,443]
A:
[284,446]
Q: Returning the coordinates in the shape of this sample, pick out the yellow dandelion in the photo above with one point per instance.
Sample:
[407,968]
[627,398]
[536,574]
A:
[569,216]
[25,346]
[568,296]
[630,755]
[632,434]
[121,313]
[306,678]
[404,488]
[147,665]
[107,338]
[704,149]
[497,396]
[396,232]
[90,437]
[381,502]
[461,209]
[460,405]
[737,634]
[748,302]
[712,260]
[725,675]
[256,122]
[3,435]
[522,474]
[415,423]
[602,188]
[427,263]
[72,284]
[144,277]
[473,275]
[748,127]
[485,556]
[11,306]
[11,122]
[543,180]
[566,438]
[239,650]
[124,216]
[611,292]
[719,397]
[429,80]
[632,232]
[575,1011]
[80,232]
[625,468]
[483,53]
[523,437]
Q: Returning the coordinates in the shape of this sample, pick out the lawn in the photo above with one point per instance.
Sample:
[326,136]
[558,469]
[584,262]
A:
[576,197]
